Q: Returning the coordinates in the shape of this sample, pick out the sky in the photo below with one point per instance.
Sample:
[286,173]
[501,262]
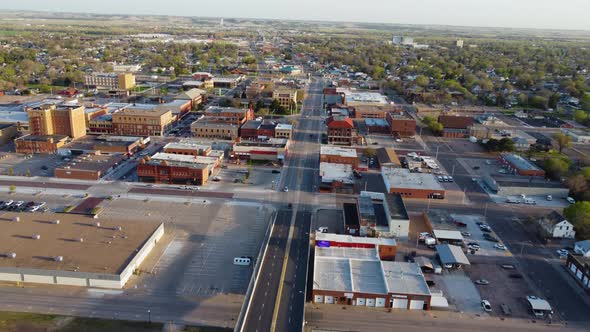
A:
[541,14]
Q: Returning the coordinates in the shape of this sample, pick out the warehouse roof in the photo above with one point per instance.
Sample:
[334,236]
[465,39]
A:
[104,249]
[450,254]
[368,276]
[403,178]
[442,234]
[519,162]
[346,252]
[337,151]
[354,239]
[404,277]
[330,172]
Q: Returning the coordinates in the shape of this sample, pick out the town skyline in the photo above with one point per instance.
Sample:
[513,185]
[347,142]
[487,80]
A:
[485,13]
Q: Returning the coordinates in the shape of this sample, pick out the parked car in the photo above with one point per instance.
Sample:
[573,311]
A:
[216,179]
[515,276]
[450,179]
[440,178]
[508,266]
[486,306]
[482,282]
[500,246]
[422,236]
[549,197]
[460,224]
[322,229]
[466,234]
[561,252]
[286,189]
[570,200]
[490,238]
[276,171]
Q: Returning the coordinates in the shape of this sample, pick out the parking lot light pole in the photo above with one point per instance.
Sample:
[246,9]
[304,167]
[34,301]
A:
[149,316]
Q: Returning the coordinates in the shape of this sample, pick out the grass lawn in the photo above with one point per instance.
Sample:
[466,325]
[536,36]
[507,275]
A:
[16,321]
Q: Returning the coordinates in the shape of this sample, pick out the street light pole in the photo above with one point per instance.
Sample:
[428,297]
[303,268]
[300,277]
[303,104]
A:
[149,316]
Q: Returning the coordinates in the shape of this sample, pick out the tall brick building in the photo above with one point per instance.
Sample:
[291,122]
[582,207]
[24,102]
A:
[341,130]
[51,119]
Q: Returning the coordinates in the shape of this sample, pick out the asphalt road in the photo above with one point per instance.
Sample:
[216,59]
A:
[278,301]
[261,305]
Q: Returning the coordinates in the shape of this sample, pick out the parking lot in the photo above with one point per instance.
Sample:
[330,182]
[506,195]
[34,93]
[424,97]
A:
[262,177]
[333,219]
[204,239]
[390,142]
[32,165]
[53,203]
[505,287]
[477,235]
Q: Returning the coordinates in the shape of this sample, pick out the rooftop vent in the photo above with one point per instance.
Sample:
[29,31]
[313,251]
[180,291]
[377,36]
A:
[119,228]
[36,237]
[97,224]
[16,219]
[55,222]
[81,239]
[58,258]
[11,255]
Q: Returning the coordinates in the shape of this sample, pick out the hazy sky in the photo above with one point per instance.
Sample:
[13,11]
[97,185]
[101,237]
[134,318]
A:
[562,14]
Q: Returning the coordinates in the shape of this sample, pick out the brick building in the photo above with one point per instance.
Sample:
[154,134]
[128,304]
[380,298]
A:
[455,126]
[51,119]
[286,97]
[187,148]
[401,125]
[341,131]
[89,166]
[237,116]
[8,132]
[339,155]
[142,122]
[110,81]
[40,143]
[411,185]
[519,165]
[386,248]
[176,169]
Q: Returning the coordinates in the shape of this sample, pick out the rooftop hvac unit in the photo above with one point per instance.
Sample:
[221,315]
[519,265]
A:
[97,224]
[58,258]
[81,239]
[36,237]
[10,255]
[16,219]
[55,222]
[119,228]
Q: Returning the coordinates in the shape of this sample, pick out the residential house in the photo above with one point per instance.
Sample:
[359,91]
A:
[582,248]
[556,226]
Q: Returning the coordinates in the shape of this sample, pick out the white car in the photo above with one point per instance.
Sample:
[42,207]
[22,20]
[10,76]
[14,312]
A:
[486,306]
[424,235]
[398,140]
[561,252]
[570,200]
[286,189]
[500,246]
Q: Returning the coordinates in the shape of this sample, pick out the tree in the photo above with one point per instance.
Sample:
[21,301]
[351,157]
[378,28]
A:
[422,81]
[585,102]
[506,144]
[579,215]
[370,152]
[580,116]
[436,127]
[586,172]
[556,167]
[577,184]
[553,100]
[562,141]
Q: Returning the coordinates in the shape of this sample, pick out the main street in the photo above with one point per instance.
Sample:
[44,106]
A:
[284,266]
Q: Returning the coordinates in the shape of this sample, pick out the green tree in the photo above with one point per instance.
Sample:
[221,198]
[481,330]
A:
[562,141]
[556,167]
[586,172]
[436,127]
[553,100]
[580,116]
[422,81]
[585,102]
[579,215]
[370,152]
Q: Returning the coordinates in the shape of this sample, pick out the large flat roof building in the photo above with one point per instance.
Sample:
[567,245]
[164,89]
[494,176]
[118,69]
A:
[358,277]
[73,250]
[411,185]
